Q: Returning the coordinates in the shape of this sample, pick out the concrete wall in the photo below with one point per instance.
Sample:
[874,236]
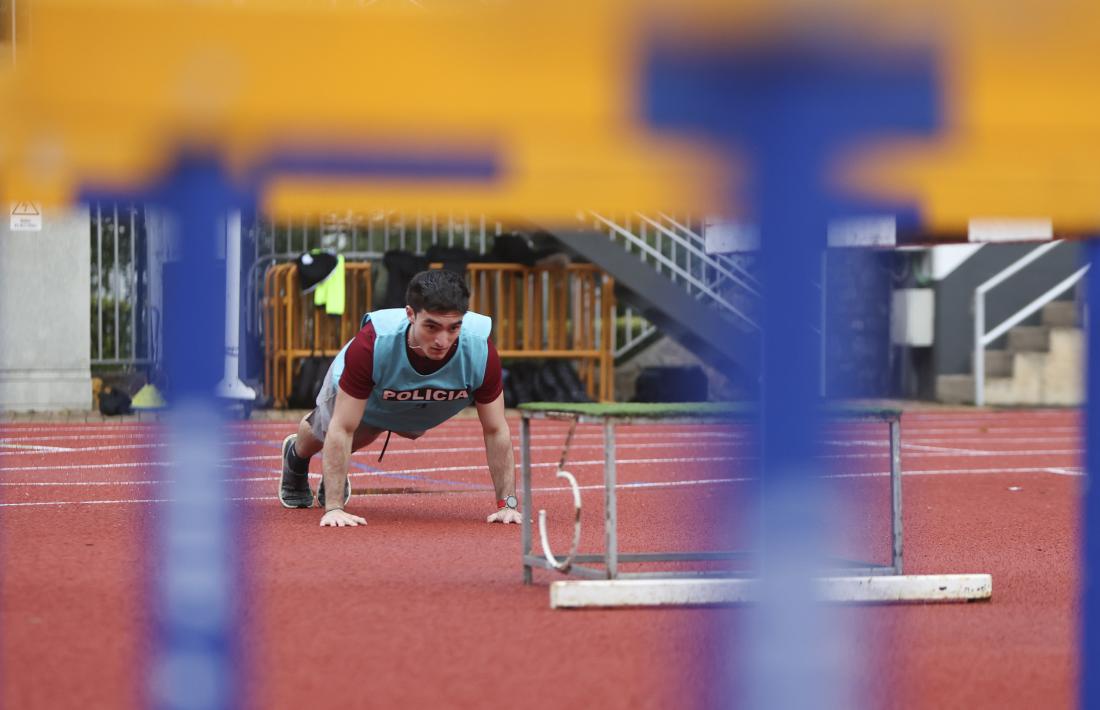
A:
[45,341]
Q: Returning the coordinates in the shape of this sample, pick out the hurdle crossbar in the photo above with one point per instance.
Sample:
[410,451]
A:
[580,594]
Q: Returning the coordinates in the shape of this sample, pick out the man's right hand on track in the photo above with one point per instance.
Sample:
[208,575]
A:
[340,518]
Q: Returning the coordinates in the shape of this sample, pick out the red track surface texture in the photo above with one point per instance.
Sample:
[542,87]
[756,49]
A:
[424,607]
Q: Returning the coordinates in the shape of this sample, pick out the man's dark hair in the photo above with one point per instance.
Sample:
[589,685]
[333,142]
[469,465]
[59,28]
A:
[439,291]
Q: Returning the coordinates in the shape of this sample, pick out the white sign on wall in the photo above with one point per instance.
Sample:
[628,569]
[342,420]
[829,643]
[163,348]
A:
[26,217]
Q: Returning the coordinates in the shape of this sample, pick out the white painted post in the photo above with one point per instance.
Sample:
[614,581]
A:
[231,386]
[979,347]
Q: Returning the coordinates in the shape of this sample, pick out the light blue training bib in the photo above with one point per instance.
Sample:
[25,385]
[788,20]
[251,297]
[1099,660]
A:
[405,400]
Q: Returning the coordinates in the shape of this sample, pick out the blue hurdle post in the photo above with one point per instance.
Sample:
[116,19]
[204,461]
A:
[791,111]
[1090,558]
[197,570]
[197,638]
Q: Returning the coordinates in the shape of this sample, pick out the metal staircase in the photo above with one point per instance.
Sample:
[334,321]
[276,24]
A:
[706,302]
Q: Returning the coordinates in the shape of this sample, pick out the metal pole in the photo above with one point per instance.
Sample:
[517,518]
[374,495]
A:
[133,284]
[895,489]
[115,290]
[99,275]
[610,508]
[528,506]
[979,348]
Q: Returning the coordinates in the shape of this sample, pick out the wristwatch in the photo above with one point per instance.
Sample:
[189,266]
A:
[509,502]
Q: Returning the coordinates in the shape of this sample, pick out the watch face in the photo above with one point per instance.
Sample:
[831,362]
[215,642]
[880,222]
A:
[511,502]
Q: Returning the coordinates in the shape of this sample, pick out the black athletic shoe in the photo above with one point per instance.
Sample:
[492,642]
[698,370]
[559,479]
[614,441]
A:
[321,492]
[294,489]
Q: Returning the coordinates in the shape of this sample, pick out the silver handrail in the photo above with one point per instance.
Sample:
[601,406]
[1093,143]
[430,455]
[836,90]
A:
[982,338]
[675,268]
[700,253]
[719,258]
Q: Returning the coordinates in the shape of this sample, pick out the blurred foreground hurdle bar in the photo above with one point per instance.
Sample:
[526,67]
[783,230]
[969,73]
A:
[607,586]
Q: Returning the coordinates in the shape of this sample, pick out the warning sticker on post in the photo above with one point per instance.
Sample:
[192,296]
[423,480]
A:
[26,217]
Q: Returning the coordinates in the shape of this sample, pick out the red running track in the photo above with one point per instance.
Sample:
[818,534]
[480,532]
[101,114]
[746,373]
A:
[425,605]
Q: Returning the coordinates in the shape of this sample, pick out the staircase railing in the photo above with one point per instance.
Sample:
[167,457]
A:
[676,249]
[982,338]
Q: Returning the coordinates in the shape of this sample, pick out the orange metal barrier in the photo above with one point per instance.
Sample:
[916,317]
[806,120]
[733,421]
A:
[563,313]
[295,328]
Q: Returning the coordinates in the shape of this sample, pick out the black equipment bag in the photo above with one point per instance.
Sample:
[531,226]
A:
[113,402]
[401,266]
[671,384]
[569,382]
[551,381]
[308,379]
[453,258]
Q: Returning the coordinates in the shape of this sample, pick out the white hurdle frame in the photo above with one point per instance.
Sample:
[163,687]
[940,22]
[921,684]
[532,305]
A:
[610,587]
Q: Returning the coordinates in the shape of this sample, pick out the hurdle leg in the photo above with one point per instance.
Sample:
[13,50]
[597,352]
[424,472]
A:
[610,511]
[525,475]
[895,490]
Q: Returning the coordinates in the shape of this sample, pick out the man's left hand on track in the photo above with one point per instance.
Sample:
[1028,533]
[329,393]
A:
[505,515]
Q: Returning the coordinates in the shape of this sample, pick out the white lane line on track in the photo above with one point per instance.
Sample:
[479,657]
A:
[162,464]
[550,489]
[1004,453]
[877,444]
[432,438]
[1058,471]
[845,456]
[133,447]
[945,450]
[1065,471]
[992,439]
[479,491]
[919,432]
[910,420]
[391,451]
[962,472]
[32,449]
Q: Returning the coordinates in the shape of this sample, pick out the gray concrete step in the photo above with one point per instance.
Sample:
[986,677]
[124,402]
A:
[955,389]
[1029,338]
[1061,314]
[998,363]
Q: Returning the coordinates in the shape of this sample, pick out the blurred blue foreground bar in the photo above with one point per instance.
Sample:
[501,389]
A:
[195,570]
[790,110]
[1090,573]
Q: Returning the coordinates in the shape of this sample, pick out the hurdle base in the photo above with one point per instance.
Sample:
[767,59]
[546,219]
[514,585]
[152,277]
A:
[715,592]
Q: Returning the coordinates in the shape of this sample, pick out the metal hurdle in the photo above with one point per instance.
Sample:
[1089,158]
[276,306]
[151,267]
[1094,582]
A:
[607,585]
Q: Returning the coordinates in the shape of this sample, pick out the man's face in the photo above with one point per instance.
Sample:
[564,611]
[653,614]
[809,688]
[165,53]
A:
[433,334]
